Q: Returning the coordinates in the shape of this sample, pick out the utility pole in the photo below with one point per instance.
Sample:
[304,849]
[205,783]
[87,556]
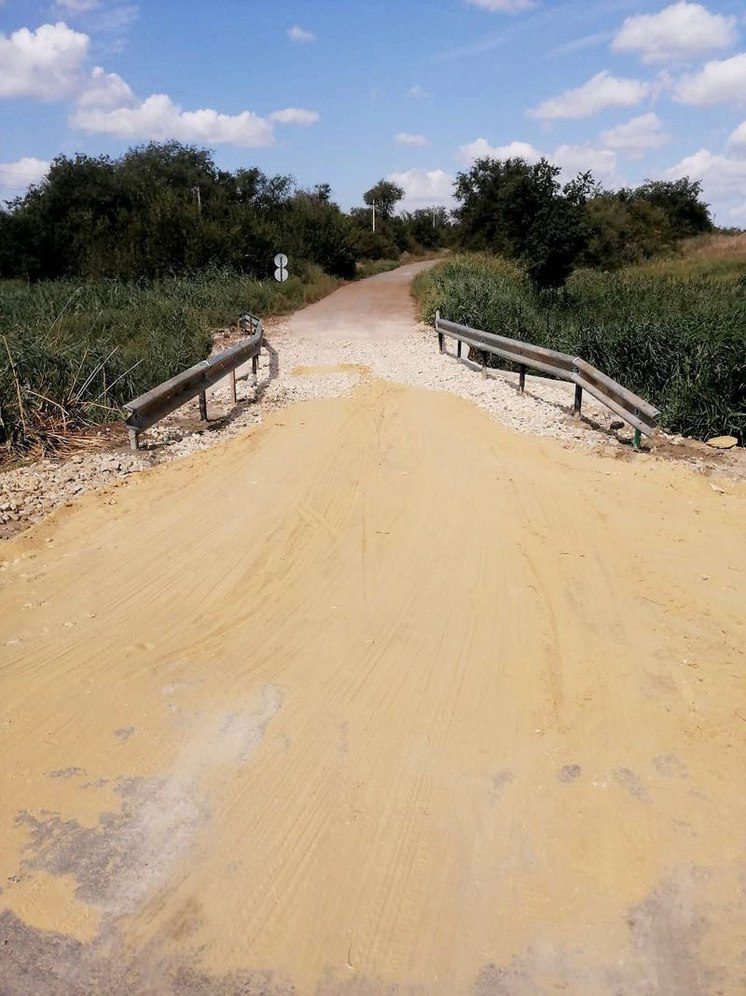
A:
[374,216]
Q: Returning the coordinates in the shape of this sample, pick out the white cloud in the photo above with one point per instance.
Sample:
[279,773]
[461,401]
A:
[574,159]
[503,6]
[582,43]
[21,174]
[737,140]
[417,92]
[105,90]
[300,35]
[159,118]
[481,148]
[717,82]
[600,92]
[76,6]
[295,116]
[424,187]
[723,179]
[410,140]
[45,63]
[636,137]
[681,31]
[106,105]
[719,172]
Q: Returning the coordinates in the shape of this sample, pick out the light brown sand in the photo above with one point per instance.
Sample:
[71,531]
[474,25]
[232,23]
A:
[379,695]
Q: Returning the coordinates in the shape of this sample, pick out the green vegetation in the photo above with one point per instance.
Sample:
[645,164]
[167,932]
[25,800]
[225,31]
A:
[165,210]
[371,267]
[72,352]
[521,211]
[408,232]
[679,343]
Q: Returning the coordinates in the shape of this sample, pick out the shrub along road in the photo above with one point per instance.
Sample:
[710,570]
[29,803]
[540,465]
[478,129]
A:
[428,704]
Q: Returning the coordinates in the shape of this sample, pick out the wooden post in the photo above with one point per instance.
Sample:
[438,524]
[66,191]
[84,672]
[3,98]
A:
[134,440]
[254,368]
[234,396]
[203,406]
[521,379]
[578,399]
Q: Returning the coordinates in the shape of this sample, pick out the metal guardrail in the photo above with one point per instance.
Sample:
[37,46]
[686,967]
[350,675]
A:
[160,401]
[637,412]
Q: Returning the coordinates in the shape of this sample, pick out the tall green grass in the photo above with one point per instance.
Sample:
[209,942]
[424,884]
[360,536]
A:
[680,343]
[71,353]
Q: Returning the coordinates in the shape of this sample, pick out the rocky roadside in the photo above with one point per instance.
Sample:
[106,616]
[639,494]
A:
[314,368]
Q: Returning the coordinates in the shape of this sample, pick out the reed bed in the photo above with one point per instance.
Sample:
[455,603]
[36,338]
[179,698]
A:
[71,352]
[679,342]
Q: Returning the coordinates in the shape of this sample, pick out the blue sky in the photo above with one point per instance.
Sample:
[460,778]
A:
[344,92]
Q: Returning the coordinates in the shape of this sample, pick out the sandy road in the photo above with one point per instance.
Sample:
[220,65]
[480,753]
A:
[378,698]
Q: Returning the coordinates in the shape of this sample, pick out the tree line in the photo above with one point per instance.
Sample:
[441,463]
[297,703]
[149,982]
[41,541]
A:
[166,209]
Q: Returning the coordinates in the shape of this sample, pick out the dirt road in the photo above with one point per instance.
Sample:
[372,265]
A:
[379,308]
[378,698]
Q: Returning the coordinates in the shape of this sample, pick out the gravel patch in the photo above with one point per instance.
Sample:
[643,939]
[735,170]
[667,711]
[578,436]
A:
[300,368]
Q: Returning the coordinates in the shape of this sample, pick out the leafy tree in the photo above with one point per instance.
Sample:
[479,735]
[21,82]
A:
[521,210]
[681,202]
[385,195]
[624,229]
[165,208]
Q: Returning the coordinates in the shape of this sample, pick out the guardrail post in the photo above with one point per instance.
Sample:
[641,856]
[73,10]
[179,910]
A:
[578,399]
[254,368]
[637,440]
[440,334]
[203,406]
[234,396]
[521,379]
[458,348]
[134,438]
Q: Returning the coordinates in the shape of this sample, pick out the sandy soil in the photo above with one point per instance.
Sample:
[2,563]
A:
[379,697]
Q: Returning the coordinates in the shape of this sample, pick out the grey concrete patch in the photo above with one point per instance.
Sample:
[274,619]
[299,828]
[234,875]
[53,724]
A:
[569,773]
[630,781]
[670,766]
[115,862]
[666,931]
[43,963]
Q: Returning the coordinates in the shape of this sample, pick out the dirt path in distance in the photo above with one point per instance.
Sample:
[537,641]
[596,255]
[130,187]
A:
[379,309]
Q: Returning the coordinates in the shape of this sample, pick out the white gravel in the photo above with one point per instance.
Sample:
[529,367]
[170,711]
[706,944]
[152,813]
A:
[310,367]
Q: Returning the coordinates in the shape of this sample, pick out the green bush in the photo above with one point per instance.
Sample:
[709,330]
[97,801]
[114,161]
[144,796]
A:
[72,353]
[679,343]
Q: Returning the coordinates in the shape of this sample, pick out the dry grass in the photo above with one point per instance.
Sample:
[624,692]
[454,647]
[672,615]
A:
[719,256]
